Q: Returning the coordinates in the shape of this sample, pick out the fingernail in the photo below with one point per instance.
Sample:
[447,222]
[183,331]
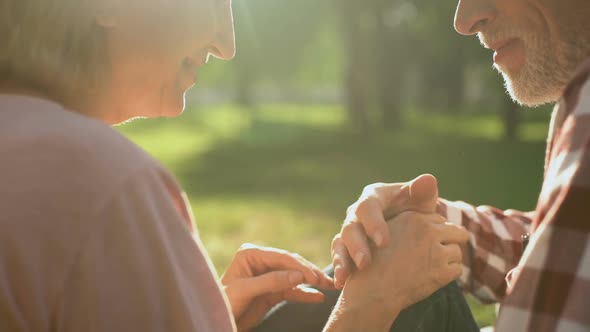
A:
[359,258]
[378,238]
[295,278]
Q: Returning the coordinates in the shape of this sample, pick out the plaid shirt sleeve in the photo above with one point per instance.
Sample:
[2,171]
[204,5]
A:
[551,291]
[494,247]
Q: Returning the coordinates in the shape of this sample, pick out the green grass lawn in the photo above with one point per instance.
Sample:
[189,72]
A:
[283,175]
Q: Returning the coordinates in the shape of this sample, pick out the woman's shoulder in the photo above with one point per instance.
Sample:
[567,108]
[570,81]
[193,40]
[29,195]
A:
[50,147]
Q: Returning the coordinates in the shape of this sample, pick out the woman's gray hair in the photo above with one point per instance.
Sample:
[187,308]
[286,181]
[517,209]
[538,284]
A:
[52,45]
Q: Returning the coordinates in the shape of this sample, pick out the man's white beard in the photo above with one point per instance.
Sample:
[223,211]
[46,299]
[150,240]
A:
[547,71]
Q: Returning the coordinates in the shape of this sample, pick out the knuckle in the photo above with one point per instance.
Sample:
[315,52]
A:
[351,208]
[349,230]
[354,237]
[454,272]
[336,240]
[280,279]
[247,247]
[282,252]
[371,188]
[363,206]
[297,257]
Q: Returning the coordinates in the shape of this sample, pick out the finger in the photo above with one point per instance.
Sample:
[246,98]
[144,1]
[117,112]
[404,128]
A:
[255,313]
[453,253]
[304,295]
[326,282]
[424,194]
[449,273]
[343,265]
[451,233]
[259,308]
[433,218]
[369,213]
[455,270]
[271,282]
[267,259]
[357,244]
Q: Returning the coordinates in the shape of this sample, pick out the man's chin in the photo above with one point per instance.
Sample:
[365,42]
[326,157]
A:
[530,98]
[527,91]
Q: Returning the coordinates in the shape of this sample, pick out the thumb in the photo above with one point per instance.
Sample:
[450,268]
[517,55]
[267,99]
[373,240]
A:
[271,282]
[424,193]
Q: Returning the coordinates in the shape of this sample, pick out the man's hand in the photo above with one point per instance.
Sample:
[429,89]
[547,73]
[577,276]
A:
[366,221]
[422,256]
[258,278]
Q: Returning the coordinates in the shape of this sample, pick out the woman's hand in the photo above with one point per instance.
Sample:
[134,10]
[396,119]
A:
[258,278]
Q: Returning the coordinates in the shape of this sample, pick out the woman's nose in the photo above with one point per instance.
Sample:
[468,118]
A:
[473,16]
[224,45]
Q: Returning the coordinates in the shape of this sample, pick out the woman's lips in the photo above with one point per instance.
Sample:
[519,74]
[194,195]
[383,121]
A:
[191,70]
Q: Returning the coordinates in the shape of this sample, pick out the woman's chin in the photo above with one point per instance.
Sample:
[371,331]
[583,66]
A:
[174,108]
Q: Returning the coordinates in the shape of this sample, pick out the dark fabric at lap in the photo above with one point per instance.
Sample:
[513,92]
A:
[444,311]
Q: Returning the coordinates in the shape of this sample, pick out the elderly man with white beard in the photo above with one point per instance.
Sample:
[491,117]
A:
[536,264]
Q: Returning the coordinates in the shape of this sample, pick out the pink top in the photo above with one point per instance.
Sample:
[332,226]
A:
[94,234]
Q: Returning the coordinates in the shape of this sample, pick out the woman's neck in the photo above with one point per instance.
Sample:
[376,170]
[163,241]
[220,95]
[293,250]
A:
[82,106]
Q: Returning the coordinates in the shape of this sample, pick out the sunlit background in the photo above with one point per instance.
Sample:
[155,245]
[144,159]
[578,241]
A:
[325,97]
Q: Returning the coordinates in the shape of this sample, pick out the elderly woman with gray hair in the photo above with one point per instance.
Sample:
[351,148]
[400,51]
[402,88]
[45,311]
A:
[95,235]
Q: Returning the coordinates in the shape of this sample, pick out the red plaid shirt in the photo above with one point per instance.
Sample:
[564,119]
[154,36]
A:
[550,284]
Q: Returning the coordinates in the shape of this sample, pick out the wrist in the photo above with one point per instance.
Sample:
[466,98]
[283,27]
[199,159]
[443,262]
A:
[357,293]
[365,311]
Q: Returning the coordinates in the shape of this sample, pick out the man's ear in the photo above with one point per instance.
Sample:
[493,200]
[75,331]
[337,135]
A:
[424,193]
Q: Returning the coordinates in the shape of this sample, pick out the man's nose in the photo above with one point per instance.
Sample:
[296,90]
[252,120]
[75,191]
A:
[224,45]
[473,16]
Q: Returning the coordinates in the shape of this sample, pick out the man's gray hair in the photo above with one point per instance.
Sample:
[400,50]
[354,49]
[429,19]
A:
[52,45]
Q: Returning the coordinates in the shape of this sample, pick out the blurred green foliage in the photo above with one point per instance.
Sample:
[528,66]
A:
[412,97]
[283,176]
[378,58]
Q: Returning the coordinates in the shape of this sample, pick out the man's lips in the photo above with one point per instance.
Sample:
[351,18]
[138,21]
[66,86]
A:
[499,45]
[506,51]
[505,48]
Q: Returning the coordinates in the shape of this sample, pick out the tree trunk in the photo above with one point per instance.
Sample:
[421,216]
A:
[389,67]
[512,120]
[356,83]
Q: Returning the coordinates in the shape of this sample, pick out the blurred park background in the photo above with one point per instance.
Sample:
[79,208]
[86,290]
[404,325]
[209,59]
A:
[325,97]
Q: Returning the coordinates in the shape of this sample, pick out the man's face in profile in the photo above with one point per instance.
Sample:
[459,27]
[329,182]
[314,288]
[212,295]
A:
[538,44]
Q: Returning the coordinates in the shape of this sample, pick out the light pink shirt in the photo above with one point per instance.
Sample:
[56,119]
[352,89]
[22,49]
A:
[94,234]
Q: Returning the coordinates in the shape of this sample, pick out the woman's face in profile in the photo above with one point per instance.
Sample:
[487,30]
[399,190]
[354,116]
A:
[156,48]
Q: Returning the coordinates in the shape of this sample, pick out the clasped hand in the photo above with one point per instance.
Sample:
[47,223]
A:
[394,249]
